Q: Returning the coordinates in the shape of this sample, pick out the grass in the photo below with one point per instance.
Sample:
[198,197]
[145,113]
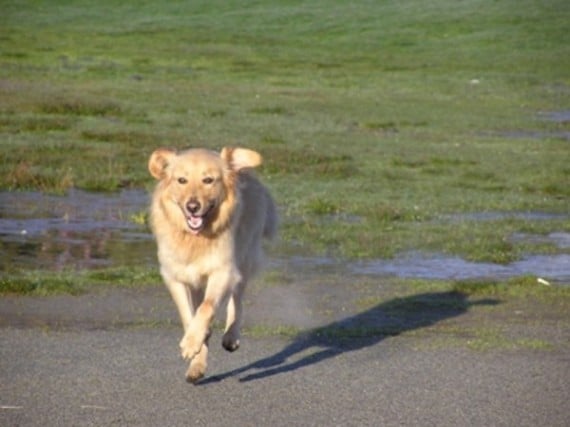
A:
[516,287]
[42,283]
[374,119]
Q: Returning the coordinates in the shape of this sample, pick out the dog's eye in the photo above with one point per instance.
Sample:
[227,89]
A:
[208,180]
[182,180]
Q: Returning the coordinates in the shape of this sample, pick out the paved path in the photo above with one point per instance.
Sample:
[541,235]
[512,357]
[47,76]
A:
[111,360]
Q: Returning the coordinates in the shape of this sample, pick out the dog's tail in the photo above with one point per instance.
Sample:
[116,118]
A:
[271,219]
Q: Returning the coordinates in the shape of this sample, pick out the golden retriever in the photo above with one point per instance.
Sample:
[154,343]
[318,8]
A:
[208,214]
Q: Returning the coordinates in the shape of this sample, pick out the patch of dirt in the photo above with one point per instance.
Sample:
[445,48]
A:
[319,302]
[107,308]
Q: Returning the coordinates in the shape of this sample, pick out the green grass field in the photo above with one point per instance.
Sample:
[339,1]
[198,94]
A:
[375,118]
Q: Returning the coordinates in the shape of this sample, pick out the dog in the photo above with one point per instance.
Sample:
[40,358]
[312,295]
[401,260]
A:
[209,214]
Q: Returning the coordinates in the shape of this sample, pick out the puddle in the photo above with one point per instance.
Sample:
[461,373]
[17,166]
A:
[556,116]
[87,230]
[554,268]
[522,134]
[560,118]
[497,216]
[416,265]
[420,265]
[560,239]
[78,230]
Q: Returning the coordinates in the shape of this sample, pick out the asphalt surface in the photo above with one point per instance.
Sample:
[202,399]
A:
[111,359]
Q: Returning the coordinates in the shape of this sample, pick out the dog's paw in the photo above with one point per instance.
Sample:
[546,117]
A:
[230,343]
[190,346]
[230,340]
[195,372]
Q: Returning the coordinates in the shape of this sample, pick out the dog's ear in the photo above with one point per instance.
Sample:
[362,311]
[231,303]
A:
[240,158]
[159,160]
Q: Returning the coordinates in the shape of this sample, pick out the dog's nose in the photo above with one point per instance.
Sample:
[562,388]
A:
[193,206]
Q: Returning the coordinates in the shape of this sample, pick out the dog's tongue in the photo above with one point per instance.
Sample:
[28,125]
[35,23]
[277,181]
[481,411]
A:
[195,223]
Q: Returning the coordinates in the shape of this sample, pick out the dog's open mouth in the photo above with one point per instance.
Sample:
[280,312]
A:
[196,222]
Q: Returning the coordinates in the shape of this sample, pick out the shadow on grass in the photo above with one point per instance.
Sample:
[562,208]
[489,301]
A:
[362,330]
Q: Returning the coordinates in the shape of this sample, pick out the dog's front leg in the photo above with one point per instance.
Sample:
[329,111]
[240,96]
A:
[199,363]
[181,298]
[218,286]
[186,301]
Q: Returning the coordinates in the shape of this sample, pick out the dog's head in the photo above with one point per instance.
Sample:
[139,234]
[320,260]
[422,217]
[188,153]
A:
[202,183]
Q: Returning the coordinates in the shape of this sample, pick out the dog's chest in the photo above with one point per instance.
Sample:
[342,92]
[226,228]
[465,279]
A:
[193,265]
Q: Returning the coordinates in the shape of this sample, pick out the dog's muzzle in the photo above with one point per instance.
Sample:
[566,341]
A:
[195,215]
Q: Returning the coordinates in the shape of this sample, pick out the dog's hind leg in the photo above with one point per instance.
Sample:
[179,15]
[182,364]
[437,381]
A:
[230,341]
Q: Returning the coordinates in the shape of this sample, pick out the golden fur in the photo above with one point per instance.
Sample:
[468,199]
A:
[208,214]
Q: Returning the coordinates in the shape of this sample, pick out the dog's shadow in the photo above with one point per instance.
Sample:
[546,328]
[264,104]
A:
[365,329]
